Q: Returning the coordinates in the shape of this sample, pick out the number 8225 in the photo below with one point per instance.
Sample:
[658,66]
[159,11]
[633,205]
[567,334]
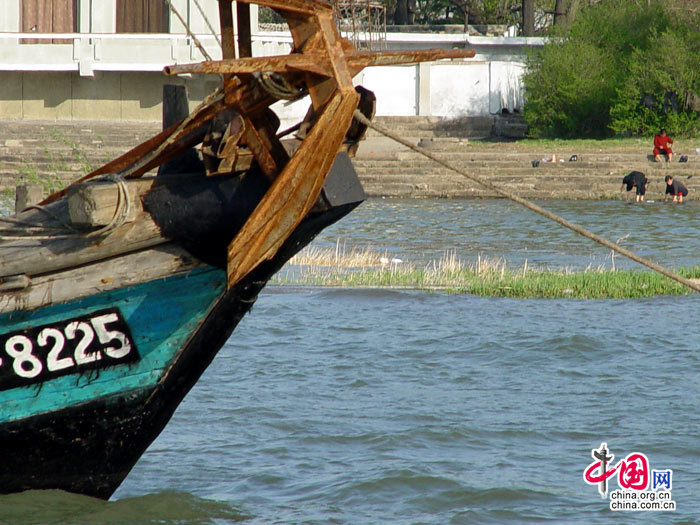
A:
[37,354]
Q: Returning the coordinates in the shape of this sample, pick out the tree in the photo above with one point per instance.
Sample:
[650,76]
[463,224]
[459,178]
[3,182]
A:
[528,24]
[401,13]
[405,12]
[590,80]
[507,12]
[560,9]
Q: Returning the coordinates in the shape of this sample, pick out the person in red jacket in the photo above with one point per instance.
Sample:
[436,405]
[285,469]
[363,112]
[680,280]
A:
[662,146]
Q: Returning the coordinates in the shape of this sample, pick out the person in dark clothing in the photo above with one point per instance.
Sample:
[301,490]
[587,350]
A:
[635,179]
[675,188]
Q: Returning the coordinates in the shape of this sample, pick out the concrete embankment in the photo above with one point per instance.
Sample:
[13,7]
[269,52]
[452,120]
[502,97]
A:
[55,153]
[389,169]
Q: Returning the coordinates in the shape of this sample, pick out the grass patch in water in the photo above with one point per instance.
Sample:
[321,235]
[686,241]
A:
[486,277]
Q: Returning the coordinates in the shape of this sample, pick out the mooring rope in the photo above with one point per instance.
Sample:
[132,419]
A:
[278,87]
[122,210]
[532,206]
[206,21]
[189,31]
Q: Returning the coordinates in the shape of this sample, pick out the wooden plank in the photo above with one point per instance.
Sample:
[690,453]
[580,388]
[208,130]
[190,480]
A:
[102,276]
[292,63]
[293,192]
[39,256]
[245,44]
[96,204]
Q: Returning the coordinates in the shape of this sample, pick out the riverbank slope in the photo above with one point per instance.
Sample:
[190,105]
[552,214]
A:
[54,153]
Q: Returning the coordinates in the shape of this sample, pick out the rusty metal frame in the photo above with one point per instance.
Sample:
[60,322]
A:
[321,64]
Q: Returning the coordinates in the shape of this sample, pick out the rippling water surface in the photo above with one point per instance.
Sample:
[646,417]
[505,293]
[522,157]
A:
[420,230]
[380,406]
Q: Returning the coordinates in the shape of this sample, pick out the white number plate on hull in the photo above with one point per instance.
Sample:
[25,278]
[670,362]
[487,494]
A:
[91,342]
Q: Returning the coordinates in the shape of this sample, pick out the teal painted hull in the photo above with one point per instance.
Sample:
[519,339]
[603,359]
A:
[87,385]
[161,314]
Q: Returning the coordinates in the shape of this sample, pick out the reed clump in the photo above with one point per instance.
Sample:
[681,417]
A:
[338,257]
[368,268]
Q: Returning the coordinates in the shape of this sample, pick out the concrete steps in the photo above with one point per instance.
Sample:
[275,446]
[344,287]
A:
[54,154]
[388,169]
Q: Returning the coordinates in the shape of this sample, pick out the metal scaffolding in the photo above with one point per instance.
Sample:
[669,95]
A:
[363,22]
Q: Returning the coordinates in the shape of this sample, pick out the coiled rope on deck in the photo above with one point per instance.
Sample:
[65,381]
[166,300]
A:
[33,230]
[532,206]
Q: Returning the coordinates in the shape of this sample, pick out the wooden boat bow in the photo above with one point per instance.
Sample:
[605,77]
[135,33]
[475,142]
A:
[322,65]
[114,300]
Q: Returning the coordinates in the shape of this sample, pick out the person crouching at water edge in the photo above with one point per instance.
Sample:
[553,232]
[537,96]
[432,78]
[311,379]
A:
[635,179]
[675,188]
[662,146]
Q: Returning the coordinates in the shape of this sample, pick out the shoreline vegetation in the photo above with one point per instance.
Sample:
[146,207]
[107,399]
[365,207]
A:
[368,268]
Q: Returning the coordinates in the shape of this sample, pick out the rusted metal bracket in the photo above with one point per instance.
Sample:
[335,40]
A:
[236,125]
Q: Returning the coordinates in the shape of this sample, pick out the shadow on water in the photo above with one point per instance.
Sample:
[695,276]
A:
[58,507]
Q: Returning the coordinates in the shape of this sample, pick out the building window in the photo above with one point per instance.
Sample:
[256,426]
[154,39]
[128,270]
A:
[143,16]
[49,16]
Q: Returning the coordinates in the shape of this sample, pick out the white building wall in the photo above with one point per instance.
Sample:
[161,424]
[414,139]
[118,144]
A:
[125,66]
[9,15]
[395,88]
[506,88]
[458,90]
[103,17]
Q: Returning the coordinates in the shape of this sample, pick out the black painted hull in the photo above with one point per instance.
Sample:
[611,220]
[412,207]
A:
[89,448]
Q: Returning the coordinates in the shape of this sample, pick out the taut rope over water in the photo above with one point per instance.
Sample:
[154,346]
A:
[532,206]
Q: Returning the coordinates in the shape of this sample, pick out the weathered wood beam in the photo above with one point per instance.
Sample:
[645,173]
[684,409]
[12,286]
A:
[362,59]
[37,257]
[294,191]
[228,46]
[140,231]
[316,64]
[245,43]
[273,64]
[95,204]
[74,283]
[27,195]
[261,138]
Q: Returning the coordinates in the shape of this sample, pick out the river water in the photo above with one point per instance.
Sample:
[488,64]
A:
[386,406]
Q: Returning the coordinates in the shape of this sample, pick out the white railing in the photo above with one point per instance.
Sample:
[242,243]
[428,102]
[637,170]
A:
[90,52]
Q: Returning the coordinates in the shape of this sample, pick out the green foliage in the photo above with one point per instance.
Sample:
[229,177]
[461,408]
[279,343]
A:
[565,103]
[269,16]
[589,82]
[663,68]
[504,282]
[430,12]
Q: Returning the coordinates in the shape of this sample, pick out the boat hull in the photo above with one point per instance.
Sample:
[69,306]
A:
[84,430]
